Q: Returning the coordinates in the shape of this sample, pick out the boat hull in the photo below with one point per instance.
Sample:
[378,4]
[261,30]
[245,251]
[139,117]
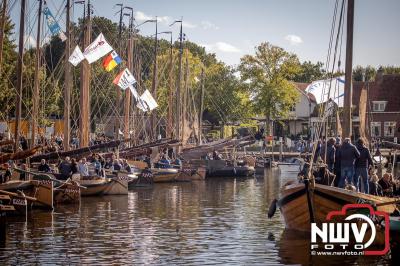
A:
[42,190]
[295,208]
[117,186]
[67,193]
[93,186]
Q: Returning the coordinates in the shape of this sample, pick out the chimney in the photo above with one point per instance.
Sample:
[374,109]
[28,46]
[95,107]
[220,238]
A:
[379,75]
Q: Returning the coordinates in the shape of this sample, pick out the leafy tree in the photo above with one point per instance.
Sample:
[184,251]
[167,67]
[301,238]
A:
[267,75]
[364,73]
[310,72]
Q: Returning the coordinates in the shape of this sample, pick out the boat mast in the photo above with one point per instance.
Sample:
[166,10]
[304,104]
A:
[2,29]
[348,88]
[185,95]
[154,86]
[85,85]
[201,106]
[36,92]
[67,74]
[130,67]
[118,100]
[20,62]
[171,86]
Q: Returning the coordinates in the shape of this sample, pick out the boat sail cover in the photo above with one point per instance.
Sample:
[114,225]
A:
[320,89]
[97,49]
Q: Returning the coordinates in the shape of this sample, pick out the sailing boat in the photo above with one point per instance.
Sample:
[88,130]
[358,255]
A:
[306,202]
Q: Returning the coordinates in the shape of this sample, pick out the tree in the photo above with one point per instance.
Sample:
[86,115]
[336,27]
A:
[310,72]
[364,73]
[267,76]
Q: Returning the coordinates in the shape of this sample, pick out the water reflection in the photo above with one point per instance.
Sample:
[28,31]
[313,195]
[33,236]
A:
[219,221]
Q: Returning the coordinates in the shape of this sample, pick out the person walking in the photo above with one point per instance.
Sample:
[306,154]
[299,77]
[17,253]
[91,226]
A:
[362,164]
[348,156]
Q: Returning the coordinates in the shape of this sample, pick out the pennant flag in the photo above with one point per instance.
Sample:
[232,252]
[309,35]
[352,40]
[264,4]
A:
[97,49]
[111,61]
[53,24]
[76,56]
[149,100]
[320,89]
[124,79]
[140,103]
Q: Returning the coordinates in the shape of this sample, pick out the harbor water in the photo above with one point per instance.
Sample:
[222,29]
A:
[219,221]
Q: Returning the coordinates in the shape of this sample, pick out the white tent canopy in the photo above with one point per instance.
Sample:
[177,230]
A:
[320,89]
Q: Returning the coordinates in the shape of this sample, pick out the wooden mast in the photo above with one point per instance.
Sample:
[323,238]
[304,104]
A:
[185,96]
[201,106]
[127,103]
[154,86]
[118,100]
[171,86]
[36,93]
[20,62]
[2,30]
[178,88]
[67,84]
[84,125]
[348,88]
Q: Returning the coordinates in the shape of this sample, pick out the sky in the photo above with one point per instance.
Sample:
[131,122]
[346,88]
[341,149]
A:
[232,28]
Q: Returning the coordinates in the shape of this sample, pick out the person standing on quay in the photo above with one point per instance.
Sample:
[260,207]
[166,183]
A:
[362,164]
[348,156]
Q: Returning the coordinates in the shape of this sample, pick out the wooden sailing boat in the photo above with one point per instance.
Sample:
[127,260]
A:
[306,202]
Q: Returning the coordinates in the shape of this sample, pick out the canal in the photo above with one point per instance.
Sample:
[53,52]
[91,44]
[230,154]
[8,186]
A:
[220,221]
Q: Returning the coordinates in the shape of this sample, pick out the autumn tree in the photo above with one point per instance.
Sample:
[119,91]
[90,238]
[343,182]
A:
[267,75]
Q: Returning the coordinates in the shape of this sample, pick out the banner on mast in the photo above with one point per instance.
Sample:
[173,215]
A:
[149,100]
[76,56]
[53,24]
[111,61]
[124,79]
[97,49]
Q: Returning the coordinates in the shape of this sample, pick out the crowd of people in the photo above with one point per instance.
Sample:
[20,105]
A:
[353,166]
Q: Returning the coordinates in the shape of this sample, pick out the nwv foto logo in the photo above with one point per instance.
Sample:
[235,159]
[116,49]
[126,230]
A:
[356,231]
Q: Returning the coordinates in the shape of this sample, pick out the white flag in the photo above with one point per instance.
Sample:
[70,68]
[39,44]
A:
[140,103]
[149,100]
[76,56]
[124,79]
[97,49]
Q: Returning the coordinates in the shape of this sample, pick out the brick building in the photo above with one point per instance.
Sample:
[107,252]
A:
[383,106]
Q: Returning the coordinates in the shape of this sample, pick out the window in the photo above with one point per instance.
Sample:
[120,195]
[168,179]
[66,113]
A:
[292,108]
[379,106]
[389,128]
[375,129]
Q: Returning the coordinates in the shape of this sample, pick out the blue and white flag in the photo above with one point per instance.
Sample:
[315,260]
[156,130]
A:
[334,87]
[53,24]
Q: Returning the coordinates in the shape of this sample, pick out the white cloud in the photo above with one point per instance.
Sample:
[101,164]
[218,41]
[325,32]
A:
[208,25]
[221,47]
[293,39]
[141,16]
[188,25]
[164,19]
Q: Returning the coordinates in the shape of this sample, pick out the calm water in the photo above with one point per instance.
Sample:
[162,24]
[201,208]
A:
[221,221]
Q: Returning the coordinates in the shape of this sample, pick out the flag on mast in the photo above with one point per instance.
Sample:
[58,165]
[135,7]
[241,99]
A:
[124,79]
[76,56]
[111,61]
[53,24]
[97,49]
[149,100]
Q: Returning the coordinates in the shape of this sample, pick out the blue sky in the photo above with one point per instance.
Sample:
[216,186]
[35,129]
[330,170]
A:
[231,28]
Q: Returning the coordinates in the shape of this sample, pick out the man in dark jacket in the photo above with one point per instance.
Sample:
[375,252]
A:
[348,156]
[65,168]
[362,164]
[329,155]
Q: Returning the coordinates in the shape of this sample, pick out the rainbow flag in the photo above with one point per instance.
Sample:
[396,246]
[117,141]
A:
[111,61]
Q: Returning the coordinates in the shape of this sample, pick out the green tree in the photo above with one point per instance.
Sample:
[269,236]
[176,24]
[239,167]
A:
[310,72]
[364,73]
[268,74]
